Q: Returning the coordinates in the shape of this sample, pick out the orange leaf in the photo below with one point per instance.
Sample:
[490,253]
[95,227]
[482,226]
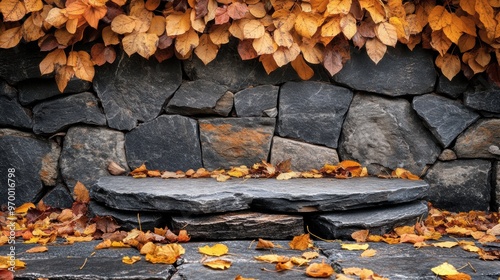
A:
[253,29]
[12,10]
[387,34]
[178,23]
[80,193]
[486,16]
[94,14]
[272,258]
[319,270]
[284,19]
[440,42]
[284,56]
[11,37]
[360,235]
[206,50]
[186,42]
[264,244]
[33,5]
[56,17]
[282,266]
[300,242]
[348,25]
[336,7]
[56,57]
[312,54]
[183,236]
[331,28]
[306,24]
[449,64]
[454,30]
[142,43]
[375,49]
[219,34]
[468,6]
[63,75]
[264,44]
[38,249]
[375,8]
[368,253]
[304,71]
[122,24]
[268,63]
[439,17]
[218,264]
[84,68]
[75,9]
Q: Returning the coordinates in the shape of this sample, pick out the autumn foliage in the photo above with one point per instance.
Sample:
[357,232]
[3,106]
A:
[278,32]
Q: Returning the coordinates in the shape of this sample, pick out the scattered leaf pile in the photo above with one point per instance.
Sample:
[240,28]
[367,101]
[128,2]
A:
[282,171]
[463,32]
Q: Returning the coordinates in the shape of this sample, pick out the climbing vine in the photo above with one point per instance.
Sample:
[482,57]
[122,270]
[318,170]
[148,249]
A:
[464,33]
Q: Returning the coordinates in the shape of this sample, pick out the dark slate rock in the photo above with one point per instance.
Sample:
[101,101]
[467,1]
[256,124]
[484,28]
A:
[87,152]
[400,72]
[20,63]
[204,196]
[247,225]
[58,197]
[256,101]
[484,100]
[167,143]
[496,183]
[460,185]
[134,89]
[235,141]
[8,91]
[453,88]
[313,112]
[477,140]
[445,118]
[35,161]
[385,133]
[37,90]
[12,114]
[56,115]
[230,70]
[378,220]
[303,156]
[63,262]
[201,98]
[402,261]
[128,220]
[447,155]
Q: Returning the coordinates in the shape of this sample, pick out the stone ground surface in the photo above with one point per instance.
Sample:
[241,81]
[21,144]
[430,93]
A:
[400,261]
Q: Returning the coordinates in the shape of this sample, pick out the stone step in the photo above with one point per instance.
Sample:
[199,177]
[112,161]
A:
[207,196]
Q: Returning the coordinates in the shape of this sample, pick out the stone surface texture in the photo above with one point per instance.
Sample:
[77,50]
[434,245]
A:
[385,133]
[205,196]
[58,197]
[447,155]
[37,90]
[87,152]
[24,66]
[496,182]
[379,220]
[246,225]
[56,115]
[400,72]
[169,142]
[129,98]
[12,114]
[201,98]
[313,112]
[445,118]
[235,141]
[454,88]
[477,140]
[34,162]
[303,156]
[256,101]
[460,185]
[484,100]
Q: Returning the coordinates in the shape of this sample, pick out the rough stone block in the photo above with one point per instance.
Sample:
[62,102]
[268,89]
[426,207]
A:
[484,100]
[20,63]
[201,98]
[400,72]
[460,185]
[496,182]
[236,141]
[247,225]
[87,152]
[447,155]
[58,197]
[454,88]
[445,118]
[128,97]
[258,101]
[313,112]
[169,142]
[479,140]
[36,90]
[12,114]
[56,115]
[379,220]
[303,156]
[34,160]
[386,133]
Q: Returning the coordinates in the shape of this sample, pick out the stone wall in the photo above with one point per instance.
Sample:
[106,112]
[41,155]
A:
[181,115]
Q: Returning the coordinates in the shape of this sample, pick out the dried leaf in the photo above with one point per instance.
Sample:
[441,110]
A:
[352,247]
[56,57]
[264,244]
[131,260]
[375,49]
[80,193]
[310,255]
[186,42]
[38,249]
[178,23]
[272,258]
[284,266]
[300,242]
[368,253]
[218,264]
[12,10]
[444,269]
[387,34]
[304,71]
[319,270]
[360,235]
[445,244]
[449,64]
[216,250]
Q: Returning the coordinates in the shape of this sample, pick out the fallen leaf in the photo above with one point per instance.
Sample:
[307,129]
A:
[239,277]
[264,244]
[494,230]
[183,236]
[444,269]
[368,253]
[273,258]
[216,250]
[131,260]
[352,247]
[301,242]
[446,244]
[23,209]
[360,235]
[288,175]
[310,255]
[319,270]
[38,249]
[282,266]
[218,264]
[299,261]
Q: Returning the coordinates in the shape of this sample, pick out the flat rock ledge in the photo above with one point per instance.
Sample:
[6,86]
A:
[206,196]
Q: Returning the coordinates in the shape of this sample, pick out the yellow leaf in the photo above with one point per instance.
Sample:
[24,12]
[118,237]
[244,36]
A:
[449,64]
[454,30]
[306,24]
[331,28]
[319,270]
[486,16]
[131,260]
[206,50]
[440,42]
[439,17]
[216,250]
[284,20]
[218,264]
[348,25]
[222,178]
[312,54]
[239,277]
[336,7]
[444,269]
[299,261]
[238,172]
[56,57]
[12,10]
[253,29]
[352,247]
[375,8]
[38,249]
[445,244]
[219,34]
[352,270]
[272,258]
[471,248]
[23,209]
[123,24]
[283,38]
[73,239]
[284,56]
[264,44]
[164,258]
[310,255]
[178,23]
[301,242]
[401,27]
[375,49]
[369,253]
[5,263]
[282,266]
[387,34]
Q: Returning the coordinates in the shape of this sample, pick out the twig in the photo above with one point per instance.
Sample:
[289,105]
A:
[251,243]
[322,239]
[473,269]
[139,221]
[84,263]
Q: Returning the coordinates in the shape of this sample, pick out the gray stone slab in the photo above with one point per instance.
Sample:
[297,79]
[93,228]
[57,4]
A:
[479,140]
[496,183]
[202,196]
[485,100]
[460,185]
[56,115]
[444,117]
[453,88]
[400,72]
[36,90]
[256,101]
[21,62]
[313,112]
[58,197]
[403,261]
[12,114]
[304,156]
[379,220]
[169,142]
[246,225]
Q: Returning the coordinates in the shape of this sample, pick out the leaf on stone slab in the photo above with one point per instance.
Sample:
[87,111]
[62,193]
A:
[183,236]
[38,249]
[288,175]
[218,264]
[215,250]
[445,244]
[103,245]
[319,270]
[272,258]
[360,235]
[73,239]
[299,261]
[282,266]
[352,247]
[115,169]
[494,230]
[310,255]
[264,244]
[80,193]
[131,260]
[239,277]
[445,269]
[411,238]
[301,242]
[23,209]
[368,253]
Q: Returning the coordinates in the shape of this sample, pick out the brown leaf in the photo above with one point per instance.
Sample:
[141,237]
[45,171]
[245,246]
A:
[80,193]
[449,64]
[300,66]
[360,235]
[440,42]
[106,224]
[300,242]
[319,270]
[237,10]
[63,75]
[282,266]
[56,57]
[268,62]
[12,10]
[246,50]
[38,249]
[375,49]
[100,55]
[11,37]
[332,60]
[264,244]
